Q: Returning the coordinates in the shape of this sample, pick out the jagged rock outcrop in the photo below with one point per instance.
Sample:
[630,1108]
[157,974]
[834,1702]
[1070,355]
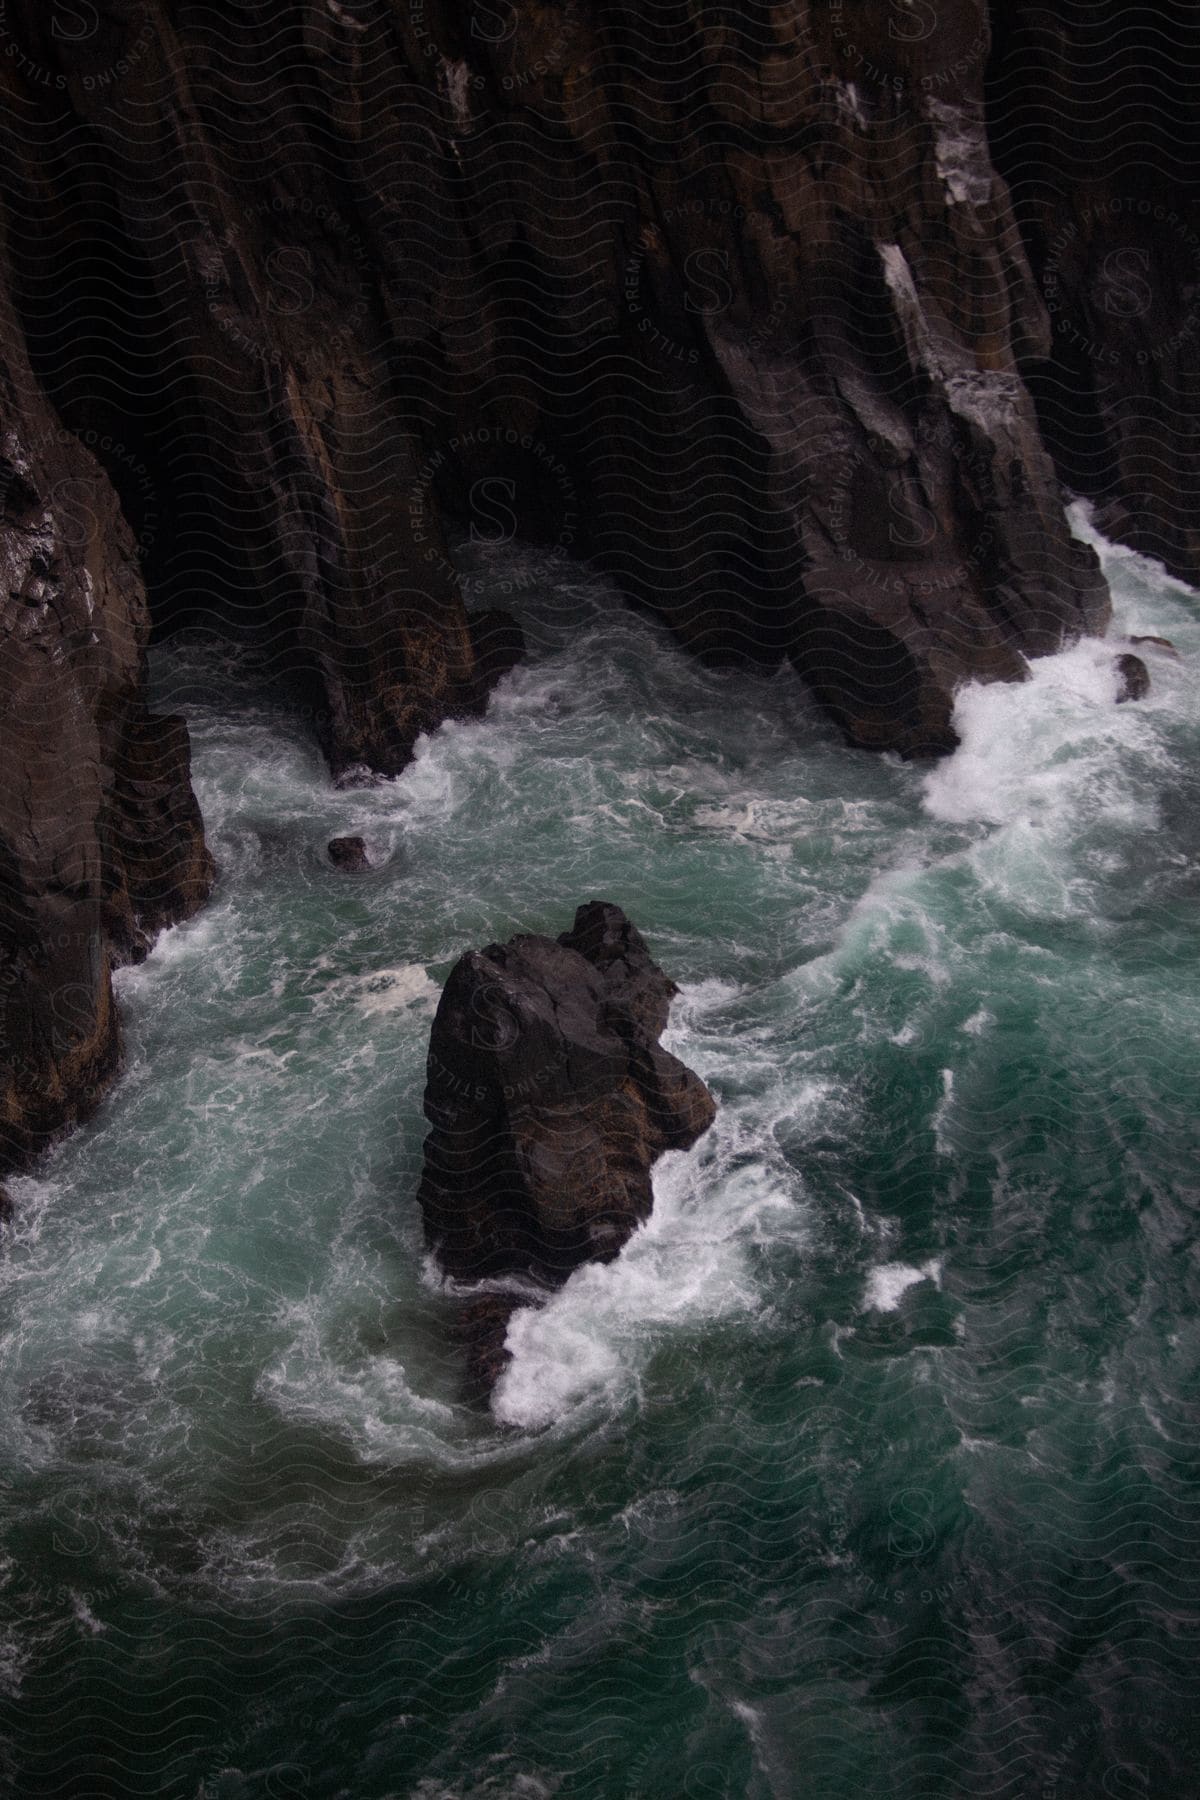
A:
[733,303]
[213,182]
[101,842]
[776,354]
[1094,123]
[550,1099]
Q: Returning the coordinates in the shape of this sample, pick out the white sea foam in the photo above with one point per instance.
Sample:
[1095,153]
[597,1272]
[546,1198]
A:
[394,990]
[687,1266]
[888,1283]
[1049,755]
[755,819]
[14,1660]
[1033,752]
[372,1399]
[694,1006]
[941,1114]
[84,1614]
[1129,566]
[194,940]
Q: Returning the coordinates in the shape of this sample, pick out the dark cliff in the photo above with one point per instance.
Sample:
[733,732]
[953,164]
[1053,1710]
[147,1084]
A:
[100,837]
[733,301]
[1094,116]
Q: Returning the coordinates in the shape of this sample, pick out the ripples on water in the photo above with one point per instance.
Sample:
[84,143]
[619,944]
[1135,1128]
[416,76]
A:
[872,1457]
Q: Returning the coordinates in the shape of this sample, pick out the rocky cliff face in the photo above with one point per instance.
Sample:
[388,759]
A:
[100,837]
[1094,120]
[732,300]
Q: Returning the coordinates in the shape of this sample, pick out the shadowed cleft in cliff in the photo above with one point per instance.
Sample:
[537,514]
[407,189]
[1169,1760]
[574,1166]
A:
[550,1099]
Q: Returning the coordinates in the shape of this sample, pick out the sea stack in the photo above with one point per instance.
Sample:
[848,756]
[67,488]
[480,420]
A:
[550,1099]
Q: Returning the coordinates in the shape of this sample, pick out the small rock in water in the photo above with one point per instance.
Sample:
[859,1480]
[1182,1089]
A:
[1135,679]
[1158,643]
[348,853]
[6,1205]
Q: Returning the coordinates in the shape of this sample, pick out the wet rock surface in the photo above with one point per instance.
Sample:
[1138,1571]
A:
[550,1098]
[1133,679]
[101,842]
[349,853]
[480,1330]
[768,374]
[1161,644]
[1094,126]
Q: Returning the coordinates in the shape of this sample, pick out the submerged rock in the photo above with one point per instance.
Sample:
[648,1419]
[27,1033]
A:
[550,1099]
[1134,679]
[348,853]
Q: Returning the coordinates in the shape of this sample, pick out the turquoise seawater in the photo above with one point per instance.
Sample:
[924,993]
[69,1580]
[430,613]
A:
[870,1465]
